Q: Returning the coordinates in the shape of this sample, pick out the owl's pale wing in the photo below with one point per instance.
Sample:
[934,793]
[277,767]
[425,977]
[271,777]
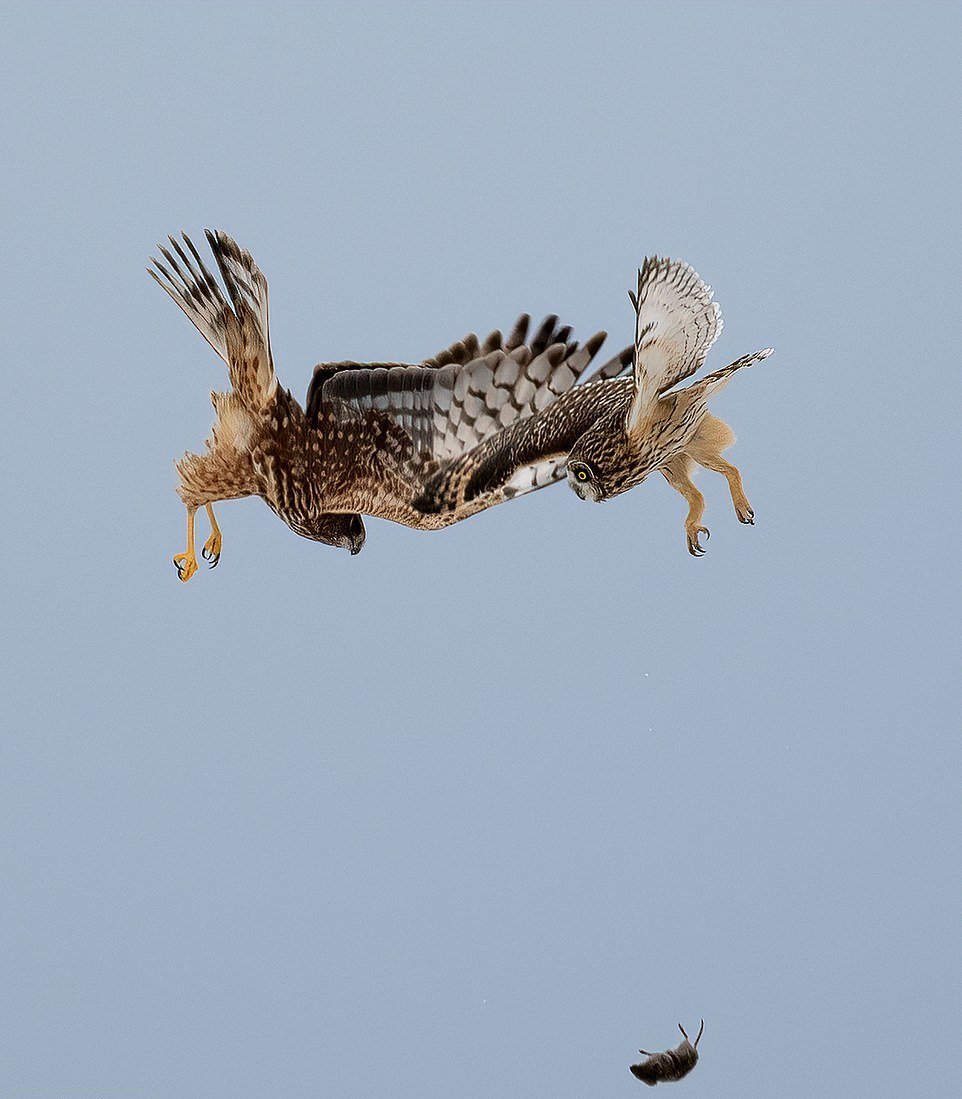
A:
[676,322]
[718,379]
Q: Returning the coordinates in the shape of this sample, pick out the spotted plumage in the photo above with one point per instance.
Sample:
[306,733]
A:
[371,436]
[609,435]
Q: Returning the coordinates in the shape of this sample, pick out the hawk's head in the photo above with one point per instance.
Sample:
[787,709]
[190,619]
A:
[344,531]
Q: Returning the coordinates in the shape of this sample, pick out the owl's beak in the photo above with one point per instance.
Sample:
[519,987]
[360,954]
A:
[585,489]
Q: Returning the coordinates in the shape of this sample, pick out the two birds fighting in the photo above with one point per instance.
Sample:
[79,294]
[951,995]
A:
[479,423]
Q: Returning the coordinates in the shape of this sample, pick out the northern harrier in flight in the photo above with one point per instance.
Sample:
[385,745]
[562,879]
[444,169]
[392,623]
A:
[372,438]
[611,434]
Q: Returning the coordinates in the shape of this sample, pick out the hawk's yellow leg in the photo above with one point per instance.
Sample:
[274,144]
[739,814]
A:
[212,547]
[186,563]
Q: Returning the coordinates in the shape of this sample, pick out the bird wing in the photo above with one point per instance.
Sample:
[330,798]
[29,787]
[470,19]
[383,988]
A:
[718,379]
[442,433]
[676,322]
[466,393]
[529,454]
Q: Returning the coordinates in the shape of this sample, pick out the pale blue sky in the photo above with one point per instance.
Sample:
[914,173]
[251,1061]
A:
[478,813]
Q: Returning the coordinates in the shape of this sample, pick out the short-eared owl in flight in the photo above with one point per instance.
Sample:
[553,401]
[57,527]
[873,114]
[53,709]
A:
[613,433]
[372,437]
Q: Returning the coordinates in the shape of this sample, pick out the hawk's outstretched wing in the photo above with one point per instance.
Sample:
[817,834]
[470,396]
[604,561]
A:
[467,395]
[676,323]
[514,386]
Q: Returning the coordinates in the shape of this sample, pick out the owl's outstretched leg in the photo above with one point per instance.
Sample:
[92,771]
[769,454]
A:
[186,563]
[678,474]
[712,437]
[212,547]
[743,509]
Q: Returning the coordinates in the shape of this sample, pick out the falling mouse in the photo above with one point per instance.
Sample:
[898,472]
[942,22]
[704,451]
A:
[673,1064]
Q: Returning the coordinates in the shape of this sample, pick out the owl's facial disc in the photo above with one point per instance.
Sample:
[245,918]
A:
[582,479]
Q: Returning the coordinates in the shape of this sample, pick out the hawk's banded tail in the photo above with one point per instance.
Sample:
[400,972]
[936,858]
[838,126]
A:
[240,334]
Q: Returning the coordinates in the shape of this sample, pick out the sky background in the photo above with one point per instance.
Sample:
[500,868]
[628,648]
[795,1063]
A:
[480,812]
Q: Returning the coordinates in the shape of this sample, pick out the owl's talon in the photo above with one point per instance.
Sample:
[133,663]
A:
[695,548]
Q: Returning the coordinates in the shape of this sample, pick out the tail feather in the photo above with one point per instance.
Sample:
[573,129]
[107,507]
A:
[195,291]
[245,284]
[240,335]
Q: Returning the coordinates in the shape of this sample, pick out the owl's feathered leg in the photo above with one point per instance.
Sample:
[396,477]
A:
[186,563]
[712,437]
[678,474]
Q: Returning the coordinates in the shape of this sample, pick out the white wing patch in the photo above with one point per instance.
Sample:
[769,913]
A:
[530,478]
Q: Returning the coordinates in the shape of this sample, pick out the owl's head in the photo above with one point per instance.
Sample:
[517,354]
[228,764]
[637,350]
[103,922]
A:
[606,461]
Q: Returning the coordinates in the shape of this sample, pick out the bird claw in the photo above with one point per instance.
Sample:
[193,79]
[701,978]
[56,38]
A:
[211,550]
[745,513]
[695,548]
[186,566]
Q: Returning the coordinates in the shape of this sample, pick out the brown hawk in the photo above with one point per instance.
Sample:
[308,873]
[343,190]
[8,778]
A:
[372,437]
[612,433]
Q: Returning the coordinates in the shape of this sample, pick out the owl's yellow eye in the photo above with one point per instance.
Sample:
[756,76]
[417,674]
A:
[582,475]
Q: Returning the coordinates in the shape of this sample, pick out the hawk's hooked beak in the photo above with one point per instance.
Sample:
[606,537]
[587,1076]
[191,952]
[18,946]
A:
[357,533]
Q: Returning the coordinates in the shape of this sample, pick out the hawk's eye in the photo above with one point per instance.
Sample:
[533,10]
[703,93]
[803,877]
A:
[582,475]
